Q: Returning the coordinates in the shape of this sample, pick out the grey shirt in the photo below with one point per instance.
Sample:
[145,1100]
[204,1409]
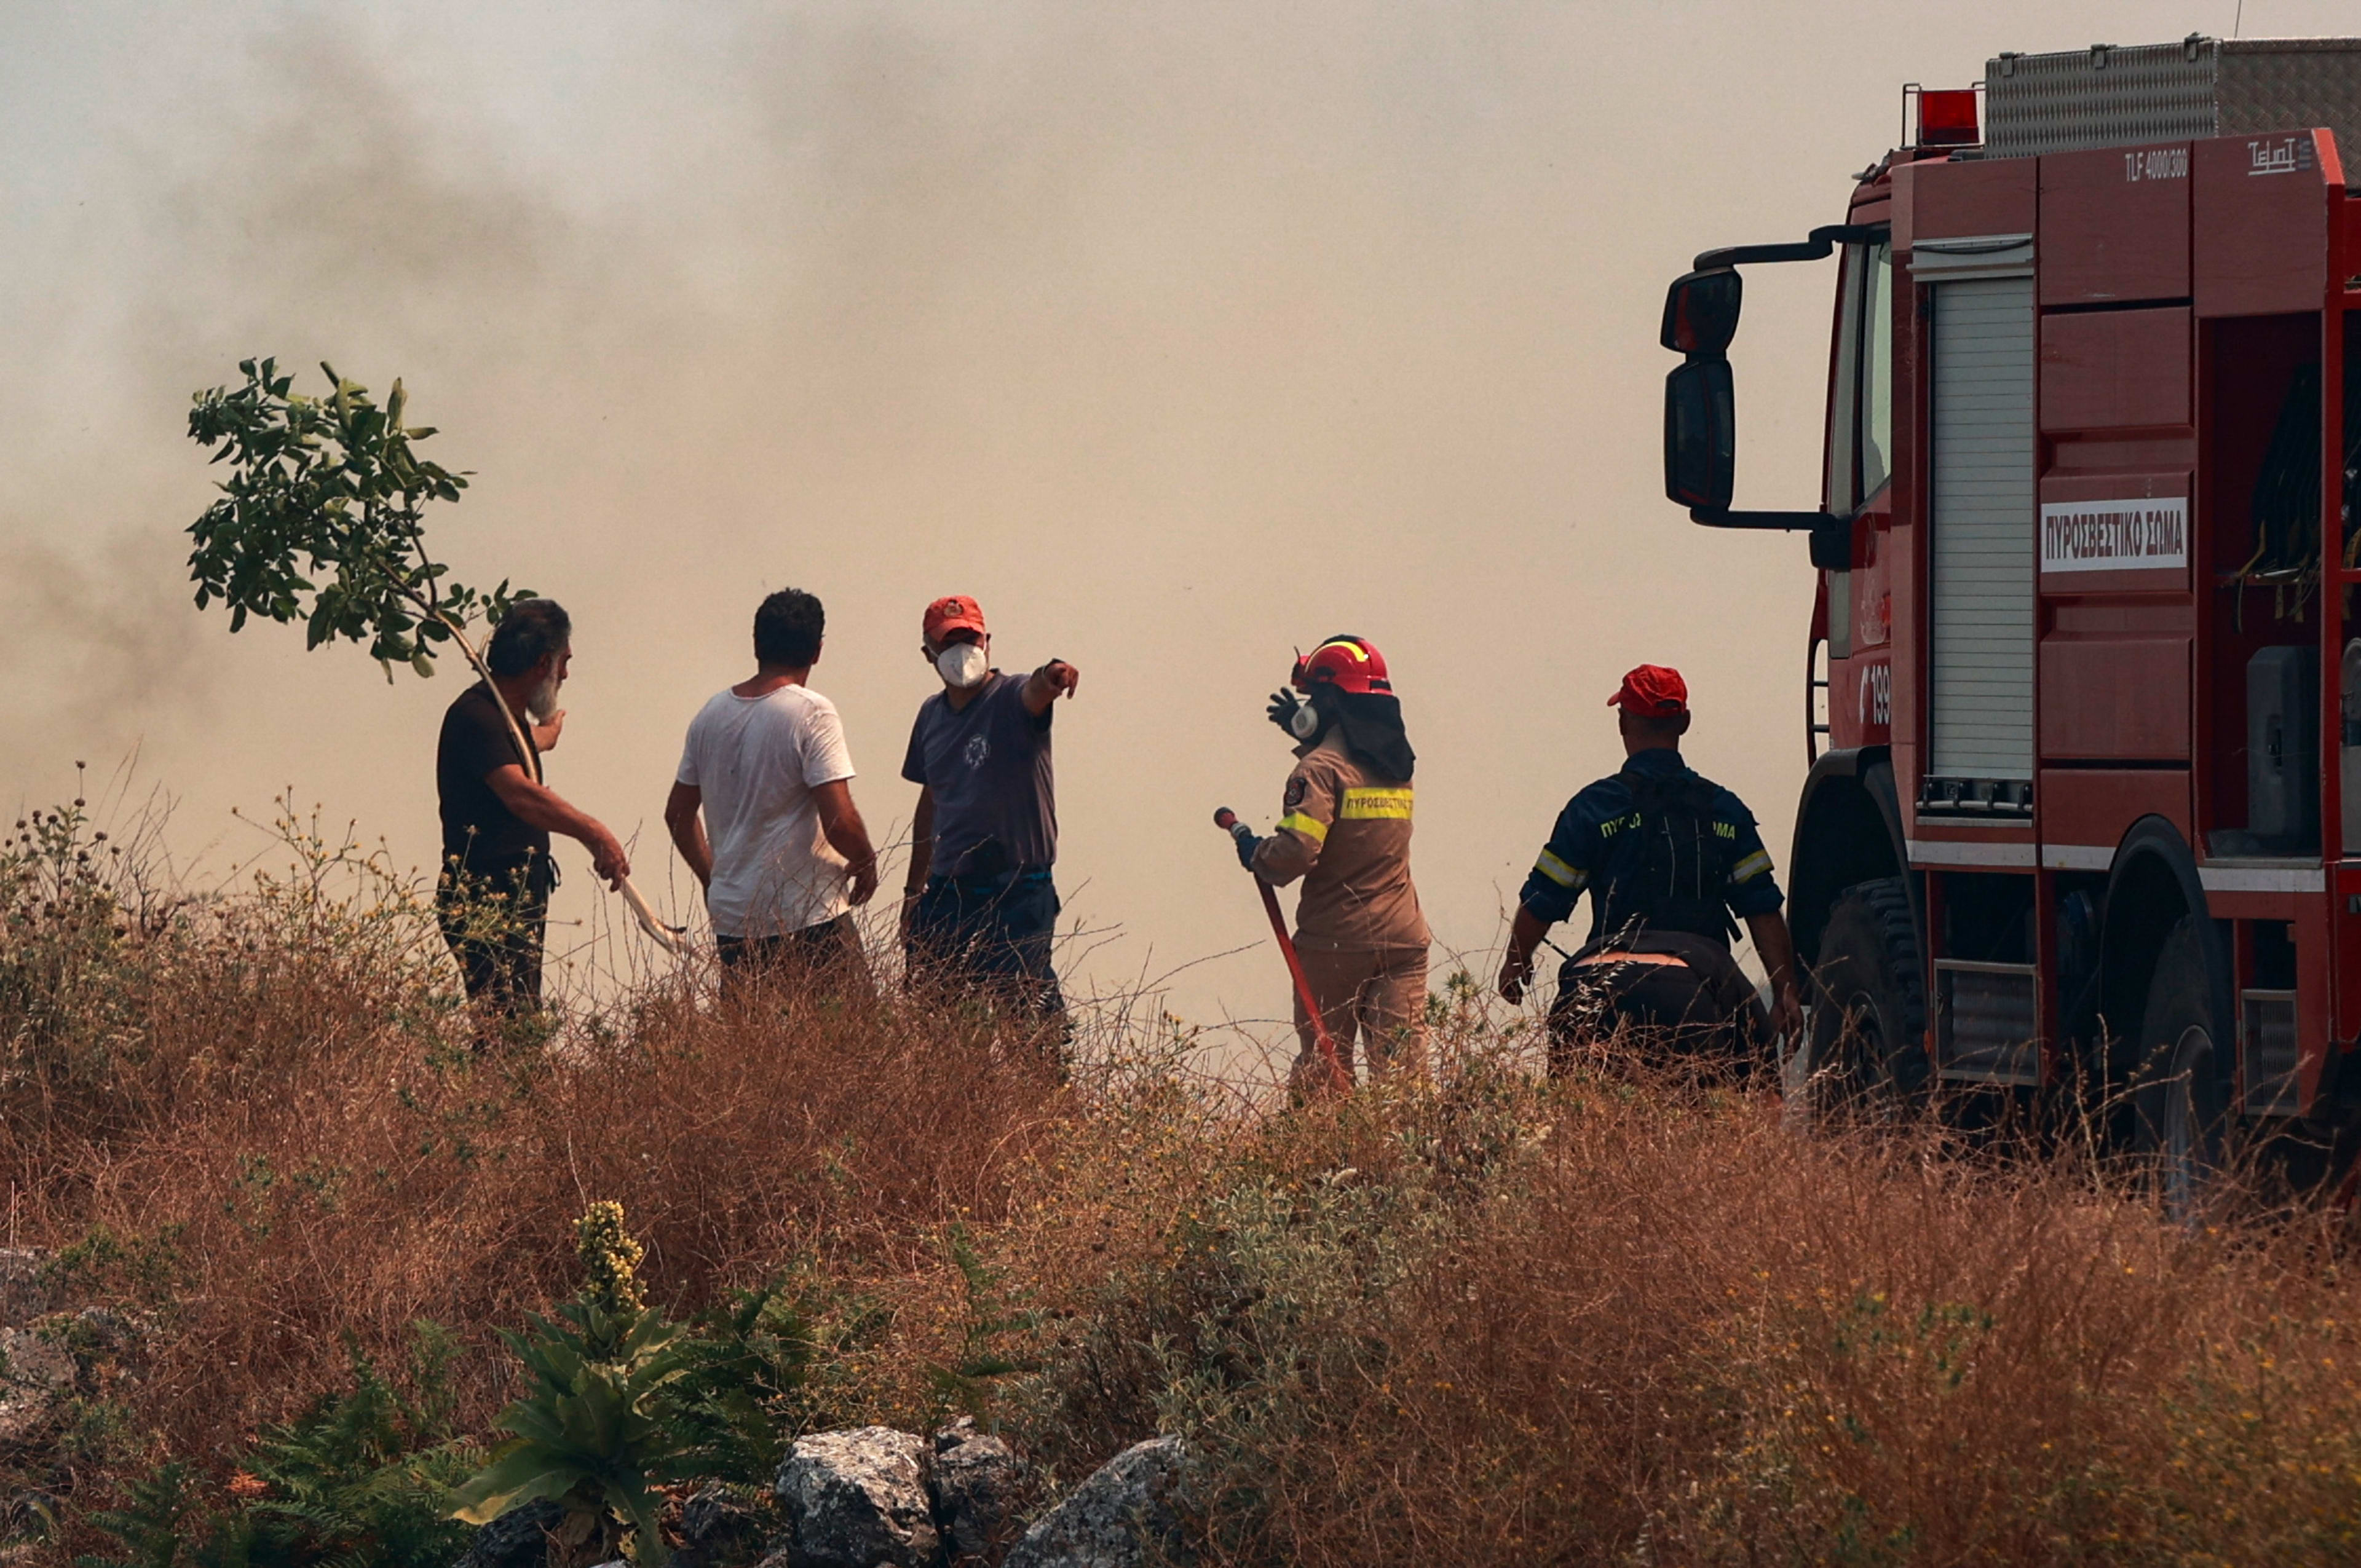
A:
[988,765]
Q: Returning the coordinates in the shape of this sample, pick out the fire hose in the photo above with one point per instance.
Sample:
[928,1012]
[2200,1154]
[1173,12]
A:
[1228,821]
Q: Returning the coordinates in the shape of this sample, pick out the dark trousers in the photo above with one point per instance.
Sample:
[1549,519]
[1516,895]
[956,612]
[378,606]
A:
[826,958]
[990,935]
[495,923]
[1702,1006]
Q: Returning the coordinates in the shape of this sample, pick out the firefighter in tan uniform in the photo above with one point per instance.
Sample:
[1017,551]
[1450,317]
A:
[1358,929]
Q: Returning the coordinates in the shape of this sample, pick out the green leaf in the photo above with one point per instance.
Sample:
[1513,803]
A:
[320,517]
[519,1471]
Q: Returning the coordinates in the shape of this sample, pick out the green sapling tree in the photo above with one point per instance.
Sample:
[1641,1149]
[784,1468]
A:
[321,520]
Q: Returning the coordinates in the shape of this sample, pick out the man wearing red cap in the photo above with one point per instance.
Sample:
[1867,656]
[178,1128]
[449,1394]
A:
[1668,859]
[980,907]
[1359,933]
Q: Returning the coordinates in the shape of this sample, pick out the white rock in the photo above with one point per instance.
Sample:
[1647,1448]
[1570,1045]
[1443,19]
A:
[1111,1521]
[858,1499]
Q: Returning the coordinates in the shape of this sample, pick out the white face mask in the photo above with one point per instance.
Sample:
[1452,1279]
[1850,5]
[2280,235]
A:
[1304,722]
[962,665]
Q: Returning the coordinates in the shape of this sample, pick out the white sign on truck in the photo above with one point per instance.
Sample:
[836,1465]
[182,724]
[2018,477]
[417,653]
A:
[2115,536]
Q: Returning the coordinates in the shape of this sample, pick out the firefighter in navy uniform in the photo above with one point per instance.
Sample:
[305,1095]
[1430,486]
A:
[1670,861]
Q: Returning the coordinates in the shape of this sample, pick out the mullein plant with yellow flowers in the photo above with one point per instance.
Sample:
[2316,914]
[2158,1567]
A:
[597,1430]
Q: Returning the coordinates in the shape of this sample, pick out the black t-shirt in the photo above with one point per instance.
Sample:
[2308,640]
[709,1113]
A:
[478,830]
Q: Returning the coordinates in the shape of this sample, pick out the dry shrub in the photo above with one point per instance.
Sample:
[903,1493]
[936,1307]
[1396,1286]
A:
[1624,1321]
[1622,1317]
[291,1148]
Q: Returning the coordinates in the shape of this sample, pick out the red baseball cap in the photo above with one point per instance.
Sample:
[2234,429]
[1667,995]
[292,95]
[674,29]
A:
[954,612]
[1653,691]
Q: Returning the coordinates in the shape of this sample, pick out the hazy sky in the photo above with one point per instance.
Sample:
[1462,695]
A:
[1181,336]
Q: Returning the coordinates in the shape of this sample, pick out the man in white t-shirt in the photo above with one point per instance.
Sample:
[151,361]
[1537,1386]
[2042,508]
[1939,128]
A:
[762,810]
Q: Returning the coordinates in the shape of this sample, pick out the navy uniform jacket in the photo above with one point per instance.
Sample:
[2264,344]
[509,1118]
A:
[1592,850]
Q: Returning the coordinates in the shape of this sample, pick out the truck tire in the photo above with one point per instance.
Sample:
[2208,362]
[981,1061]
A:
[1868,1041]
[2180,1093]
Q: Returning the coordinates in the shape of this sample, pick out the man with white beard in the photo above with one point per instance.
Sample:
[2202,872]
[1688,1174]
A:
[493,899]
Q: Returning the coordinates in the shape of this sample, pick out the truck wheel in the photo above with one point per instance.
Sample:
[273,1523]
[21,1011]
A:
[2181,1096]
[1868,1050]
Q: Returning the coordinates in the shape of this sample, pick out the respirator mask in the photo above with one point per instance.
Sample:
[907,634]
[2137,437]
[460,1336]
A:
[962,665]
[1295,715]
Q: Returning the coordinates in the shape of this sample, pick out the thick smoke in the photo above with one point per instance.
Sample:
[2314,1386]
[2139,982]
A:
[1181,338]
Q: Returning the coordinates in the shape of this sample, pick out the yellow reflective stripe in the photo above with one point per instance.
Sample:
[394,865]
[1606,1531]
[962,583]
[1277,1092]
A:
[1359,653]
[1369,804]
[1558,871]
[1310,828]
[1752,866]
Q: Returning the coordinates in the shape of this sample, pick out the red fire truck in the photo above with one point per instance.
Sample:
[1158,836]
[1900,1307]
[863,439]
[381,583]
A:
[2080,631]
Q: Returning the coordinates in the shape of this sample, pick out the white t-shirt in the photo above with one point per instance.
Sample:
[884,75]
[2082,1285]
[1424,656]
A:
[756,761]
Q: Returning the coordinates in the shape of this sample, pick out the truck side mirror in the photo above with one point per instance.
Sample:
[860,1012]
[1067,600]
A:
[1700,434]
[1701,312]
[1832,544]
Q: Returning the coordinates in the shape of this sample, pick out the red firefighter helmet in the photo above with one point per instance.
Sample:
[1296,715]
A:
[1348,663]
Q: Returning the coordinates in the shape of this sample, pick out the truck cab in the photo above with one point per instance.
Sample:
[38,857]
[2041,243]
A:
[2081,693]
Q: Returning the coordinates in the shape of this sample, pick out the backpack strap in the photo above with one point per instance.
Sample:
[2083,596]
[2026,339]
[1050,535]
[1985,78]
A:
[1688,797]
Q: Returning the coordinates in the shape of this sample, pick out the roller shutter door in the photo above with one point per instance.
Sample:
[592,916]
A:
[1981,697]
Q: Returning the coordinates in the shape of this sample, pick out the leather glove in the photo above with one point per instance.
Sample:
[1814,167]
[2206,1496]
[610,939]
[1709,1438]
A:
[1282,710]
[1248,844]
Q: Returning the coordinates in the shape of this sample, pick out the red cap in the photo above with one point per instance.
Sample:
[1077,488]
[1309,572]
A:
[954,612]
[1653,691]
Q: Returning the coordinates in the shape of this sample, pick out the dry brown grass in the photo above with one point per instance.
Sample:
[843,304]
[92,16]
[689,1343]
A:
[290,1146]
[1501,1322]
[1643,1322]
